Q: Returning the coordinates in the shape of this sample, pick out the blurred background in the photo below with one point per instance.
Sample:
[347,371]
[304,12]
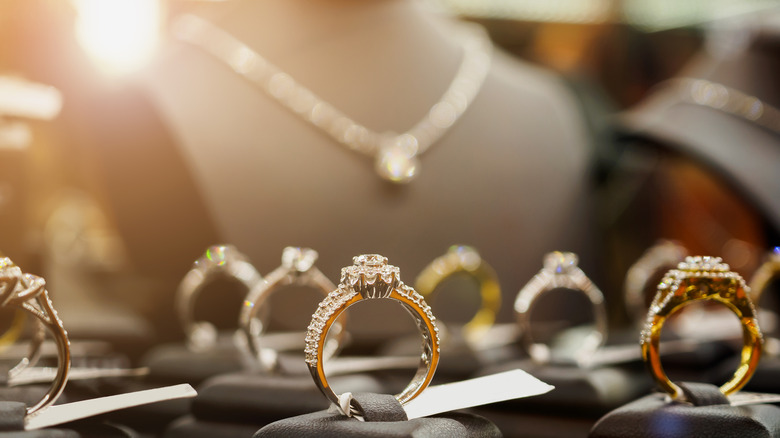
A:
[63,63]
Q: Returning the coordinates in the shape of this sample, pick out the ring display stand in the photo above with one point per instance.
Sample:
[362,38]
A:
[248,401]
[708,413]
[384,417]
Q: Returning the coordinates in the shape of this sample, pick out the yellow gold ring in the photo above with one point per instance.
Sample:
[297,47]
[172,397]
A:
[465,259]
[27,292]
[371,277]
[696,279]
[768,272]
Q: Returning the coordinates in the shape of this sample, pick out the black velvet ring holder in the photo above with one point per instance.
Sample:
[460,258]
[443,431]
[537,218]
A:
[384,417]
[238,404]
[590,392]
[706,414]
[175,363]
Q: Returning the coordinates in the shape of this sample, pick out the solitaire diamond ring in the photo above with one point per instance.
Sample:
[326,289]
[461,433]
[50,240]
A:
[218,260]
[297,269]
[560,271]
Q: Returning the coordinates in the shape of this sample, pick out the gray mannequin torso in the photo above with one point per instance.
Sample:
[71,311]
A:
[509,178]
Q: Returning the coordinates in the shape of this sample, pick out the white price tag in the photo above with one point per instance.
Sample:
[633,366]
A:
[66,413]
[752,398]
[47,374]
[475,392]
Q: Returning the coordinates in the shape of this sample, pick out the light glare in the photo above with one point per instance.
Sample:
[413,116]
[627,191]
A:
[119,35]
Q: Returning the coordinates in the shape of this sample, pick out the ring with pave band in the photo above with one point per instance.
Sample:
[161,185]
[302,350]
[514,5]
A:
[460,258]
[218,260]
[561,271]
[297,269]
[28,292]
[371,277]
[696,279]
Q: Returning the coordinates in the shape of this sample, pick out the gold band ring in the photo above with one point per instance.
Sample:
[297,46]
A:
[218,260]
[465,259]
[371,277]
[28,293]
[297,269]
[696,279]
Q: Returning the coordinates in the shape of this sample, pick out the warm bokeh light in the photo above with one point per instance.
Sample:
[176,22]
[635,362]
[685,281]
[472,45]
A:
[21,98]
[119,35]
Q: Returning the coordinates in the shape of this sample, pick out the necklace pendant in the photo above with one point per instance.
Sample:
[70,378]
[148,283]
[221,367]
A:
[396,165]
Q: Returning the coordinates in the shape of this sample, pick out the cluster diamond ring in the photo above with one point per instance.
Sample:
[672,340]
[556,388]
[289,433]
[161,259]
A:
[297,269]
[560,271]
[28,293]
[696,279]
[661,257]
[371,277]
[465,259]
[217,261]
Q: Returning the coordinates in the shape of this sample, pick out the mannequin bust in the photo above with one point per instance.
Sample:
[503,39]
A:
[509,178]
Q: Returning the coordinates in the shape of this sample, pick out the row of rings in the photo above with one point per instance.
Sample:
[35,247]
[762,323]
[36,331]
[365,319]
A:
[298,268]
[371,277]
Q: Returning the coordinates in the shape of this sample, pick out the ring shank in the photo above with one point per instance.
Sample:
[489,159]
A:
[447,266]
[197,278]
[47,317]
[262,291]
[429,357]
[751,336]
[546,281]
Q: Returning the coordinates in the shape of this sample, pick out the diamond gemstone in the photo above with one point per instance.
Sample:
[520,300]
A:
[395,165]
[560,262]
[299,259]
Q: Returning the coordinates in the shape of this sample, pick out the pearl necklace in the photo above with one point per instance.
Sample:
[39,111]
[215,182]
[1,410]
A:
[395,155]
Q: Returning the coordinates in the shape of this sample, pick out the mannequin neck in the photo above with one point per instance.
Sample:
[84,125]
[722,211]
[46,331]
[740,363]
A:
[279,28]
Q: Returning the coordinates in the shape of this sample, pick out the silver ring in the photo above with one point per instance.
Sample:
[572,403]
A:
[28,292]
[560,271]
[218,260]
[297,269]
[371,277]
[658,259]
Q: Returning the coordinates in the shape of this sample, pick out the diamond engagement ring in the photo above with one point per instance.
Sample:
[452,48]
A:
[28,292]
[697,279]
[560,271]
[297,269]
[662,256]
[218,260]
[465,259]
[370,277]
